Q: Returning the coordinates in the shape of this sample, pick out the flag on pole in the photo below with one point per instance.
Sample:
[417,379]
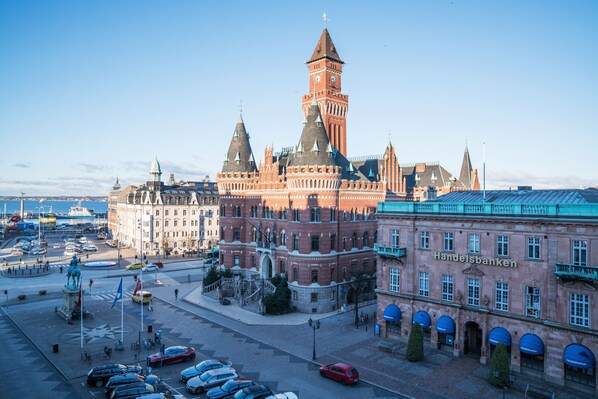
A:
[119,293]
[138,286]
[79,301]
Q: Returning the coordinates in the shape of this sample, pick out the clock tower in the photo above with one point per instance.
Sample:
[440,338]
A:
[325,73]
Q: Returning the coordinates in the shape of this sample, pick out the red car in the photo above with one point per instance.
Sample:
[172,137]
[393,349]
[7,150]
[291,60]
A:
[341,372]
[172,354]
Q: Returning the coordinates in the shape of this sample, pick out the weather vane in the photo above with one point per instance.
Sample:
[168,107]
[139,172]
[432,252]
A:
[325,19]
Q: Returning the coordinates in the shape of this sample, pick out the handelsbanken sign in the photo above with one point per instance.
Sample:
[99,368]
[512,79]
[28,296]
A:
[475,260]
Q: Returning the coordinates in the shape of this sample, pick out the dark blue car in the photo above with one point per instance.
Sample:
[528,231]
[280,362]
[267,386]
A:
[229,388]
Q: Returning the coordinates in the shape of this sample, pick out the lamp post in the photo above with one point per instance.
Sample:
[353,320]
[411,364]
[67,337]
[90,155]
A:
[315,326]
[503,383]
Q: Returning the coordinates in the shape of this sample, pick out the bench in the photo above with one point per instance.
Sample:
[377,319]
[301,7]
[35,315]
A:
[387,345]
[537,392]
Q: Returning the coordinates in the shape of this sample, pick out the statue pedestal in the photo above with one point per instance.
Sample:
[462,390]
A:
[70,298]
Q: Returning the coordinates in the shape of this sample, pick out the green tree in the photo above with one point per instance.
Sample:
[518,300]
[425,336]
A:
[500,362]
[415,347]
[278,302]
[211,276]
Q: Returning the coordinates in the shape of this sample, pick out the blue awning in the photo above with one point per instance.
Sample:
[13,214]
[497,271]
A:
[531,344]
[445,325]
[498,335]
[423,319]
[579,356]
[392,313]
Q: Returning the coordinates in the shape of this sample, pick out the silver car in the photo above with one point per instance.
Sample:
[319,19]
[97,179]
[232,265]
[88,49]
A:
[210,379]
[202,367]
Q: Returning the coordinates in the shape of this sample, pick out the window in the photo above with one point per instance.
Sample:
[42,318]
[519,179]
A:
[236,260]
[354,241]
[424,240]
[295,215]
[314,297]
[184,212]
[236,211]
[166,212]
[254,235]
[236,234]
[283,238]
[394,238]
[315,243]
[579,314]
[253,261]
[424,284]
[222,211]
[502,296]
[333,242]
[344,243]
[448,286]
[448,242]
[314,275]
[157,212]
[254,211]
[502,246]
[295,242]
[366,239]
[533,248]
[395,284]
[176,213]
[473,292]
[580,253]
[366,267]
[532,302]
[282,269]
[295,274]
[332,215]
[314,215]
[474,243]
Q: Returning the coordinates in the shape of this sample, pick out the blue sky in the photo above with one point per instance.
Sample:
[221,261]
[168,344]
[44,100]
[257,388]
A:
[94,90]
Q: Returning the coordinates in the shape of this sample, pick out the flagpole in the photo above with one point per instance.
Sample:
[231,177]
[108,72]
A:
[81,308]
[141,296]
[122,304]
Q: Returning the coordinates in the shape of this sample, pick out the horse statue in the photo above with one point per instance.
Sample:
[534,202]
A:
[74,272]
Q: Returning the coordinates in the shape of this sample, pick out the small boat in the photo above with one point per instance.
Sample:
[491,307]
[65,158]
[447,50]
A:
[48,218]
[76,212]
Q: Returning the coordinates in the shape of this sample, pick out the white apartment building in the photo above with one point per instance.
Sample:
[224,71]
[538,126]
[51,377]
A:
[158,219]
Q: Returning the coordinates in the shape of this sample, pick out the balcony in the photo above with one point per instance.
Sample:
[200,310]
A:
[574,272]
[390,252]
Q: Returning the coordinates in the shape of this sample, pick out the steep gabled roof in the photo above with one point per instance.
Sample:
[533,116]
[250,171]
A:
[466,175]
[314,146]
[325,49]
[239,157]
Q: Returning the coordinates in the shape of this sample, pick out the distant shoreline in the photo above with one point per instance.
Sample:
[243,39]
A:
[56,198]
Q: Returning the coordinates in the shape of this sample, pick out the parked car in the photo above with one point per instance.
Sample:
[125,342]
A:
[210,379]
[89,248]
[229,388]
[134,266]
[99,375]
[56,246]
[252,392]
[341,372]
[123,379]
[146,295]
[38,251]
[132,390]
[283,395]
[172,354]
[202,367]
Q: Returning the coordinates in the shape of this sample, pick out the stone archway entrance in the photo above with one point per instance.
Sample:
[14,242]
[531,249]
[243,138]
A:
[472,339]
[266,267]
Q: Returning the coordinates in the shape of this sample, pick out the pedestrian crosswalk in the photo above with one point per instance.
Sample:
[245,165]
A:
[109,296]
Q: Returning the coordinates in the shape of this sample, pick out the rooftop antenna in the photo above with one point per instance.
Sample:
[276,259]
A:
[484,174]
[325,19]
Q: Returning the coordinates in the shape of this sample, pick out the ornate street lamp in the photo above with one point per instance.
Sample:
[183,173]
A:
[315,326]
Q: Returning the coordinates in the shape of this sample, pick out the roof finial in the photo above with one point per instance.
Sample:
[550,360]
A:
[325,19]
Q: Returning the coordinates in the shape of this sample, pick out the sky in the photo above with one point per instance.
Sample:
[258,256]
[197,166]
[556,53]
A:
[92,91]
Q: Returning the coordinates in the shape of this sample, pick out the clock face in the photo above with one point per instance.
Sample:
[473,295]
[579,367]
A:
[333,79]
[317,78]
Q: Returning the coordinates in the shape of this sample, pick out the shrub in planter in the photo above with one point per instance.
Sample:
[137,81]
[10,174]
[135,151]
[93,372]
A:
[22,297]
[415,346]
[43,292]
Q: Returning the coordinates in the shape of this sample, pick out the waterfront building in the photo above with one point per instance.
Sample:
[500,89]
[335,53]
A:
[307,211]
[159,219]
[518,267]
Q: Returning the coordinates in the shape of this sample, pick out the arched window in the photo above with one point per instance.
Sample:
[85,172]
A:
[354,240]
[366,239]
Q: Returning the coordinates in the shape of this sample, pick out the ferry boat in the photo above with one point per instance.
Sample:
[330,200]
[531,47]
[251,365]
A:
[76,212]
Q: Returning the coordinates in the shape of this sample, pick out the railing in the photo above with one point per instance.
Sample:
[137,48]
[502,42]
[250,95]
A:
[575,272]
[269,288]
[212,287]
[462,208]
[390,252]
